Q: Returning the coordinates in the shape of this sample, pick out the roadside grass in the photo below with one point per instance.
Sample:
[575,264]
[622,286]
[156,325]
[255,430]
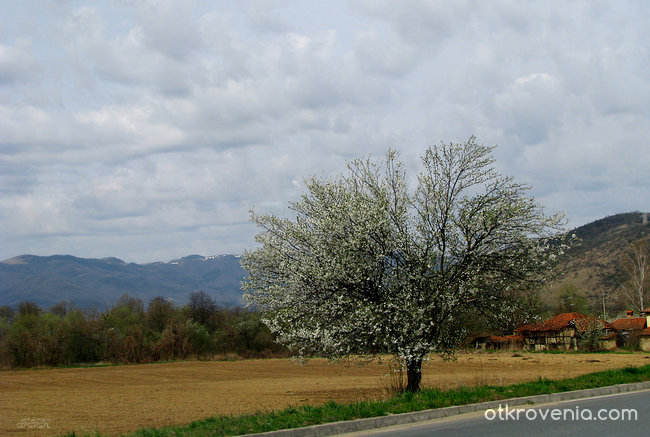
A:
[295,417]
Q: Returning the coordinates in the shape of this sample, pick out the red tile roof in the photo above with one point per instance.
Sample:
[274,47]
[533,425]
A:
[582,322]
[645,332]
[506,338]
[629,324]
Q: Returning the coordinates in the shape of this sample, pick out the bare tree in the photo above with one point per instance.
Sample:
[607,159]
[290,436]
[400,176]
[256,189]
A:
[29,308]
[160,313]
[636,264]
[201,308]
[61,309]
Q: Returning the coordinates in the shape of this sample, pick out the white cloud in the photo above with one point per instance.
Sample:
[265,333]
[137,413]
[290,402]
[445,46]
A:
[384,54]
[147,130]
[170,29]
[531,107]
[16,63]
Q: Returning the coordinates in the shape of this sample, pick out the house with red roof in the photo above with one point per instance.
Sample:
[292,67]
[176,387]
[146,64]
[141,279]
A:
[630,323]
[629,328]
[563,331]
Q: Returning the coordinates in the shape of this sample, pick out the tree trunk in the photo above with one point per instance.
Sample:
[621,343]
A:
[413,375]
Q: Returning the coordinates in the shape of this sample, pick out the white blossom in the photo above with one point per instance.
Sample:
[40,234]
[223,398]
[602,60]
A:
[366,267]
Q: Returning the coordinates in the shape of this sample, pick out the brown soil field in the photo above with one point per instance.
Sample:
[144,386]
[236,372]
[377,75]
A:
[124,398]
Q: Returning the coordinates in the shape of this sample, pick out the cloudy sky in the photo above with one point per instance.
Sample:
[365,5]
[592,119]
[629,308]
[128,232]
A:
[146,130]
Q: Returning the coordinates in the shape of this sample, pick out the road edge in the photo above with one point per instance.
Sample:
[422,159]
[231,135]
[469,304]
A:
[348,426]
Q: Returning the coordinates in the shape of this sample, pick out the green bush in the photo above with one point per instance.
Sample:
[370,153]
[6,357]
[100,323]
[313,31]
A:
[36,340]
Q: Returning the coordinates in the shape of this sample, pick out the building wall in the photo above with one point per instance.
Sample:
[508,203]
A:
[482,344]
[509,346]
[551,340]
[644,343]
[608,345]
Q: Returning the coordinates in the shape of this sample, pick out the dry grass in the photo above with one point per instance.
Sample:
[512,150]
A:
[395,380]
[124,398]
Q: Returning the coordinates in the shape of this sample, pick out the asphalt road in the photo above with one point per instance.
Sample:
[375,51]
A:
[623,414]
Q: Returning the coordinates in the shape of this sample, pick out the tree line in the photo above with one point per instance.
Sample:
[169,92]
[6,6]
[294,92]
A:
[130,332]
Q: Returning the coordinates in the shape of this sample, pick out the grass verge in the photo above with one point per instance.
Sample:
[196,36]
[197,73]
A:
[403,403]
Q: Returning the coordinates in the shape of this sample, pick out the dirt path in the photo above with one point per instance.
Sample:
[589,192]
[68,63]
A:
[124,398]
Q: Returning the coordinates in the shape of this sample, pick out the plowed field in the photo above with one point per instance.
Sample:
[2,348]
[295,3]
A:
[123,398]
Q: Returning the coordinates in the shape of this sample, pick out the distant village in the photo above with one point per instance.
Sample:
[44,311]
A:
[572,331]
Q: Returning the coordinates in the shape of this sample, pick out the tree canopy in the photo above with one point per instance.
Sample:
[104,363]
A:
[364,265]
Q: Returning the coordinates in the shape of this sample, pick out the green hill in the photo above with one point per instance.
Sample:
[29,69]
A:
[593,265]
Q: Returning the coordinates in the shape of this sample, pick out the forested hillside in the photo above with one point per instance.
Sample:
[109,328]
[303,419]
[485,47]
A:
[593,266]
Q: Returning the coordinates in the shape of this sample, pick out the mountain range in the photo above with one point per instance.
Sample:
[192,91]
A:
[592,266]
[87,283]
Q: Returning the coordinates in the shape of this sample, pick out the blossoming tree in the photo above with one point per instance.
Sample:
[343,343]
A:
[364,266]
